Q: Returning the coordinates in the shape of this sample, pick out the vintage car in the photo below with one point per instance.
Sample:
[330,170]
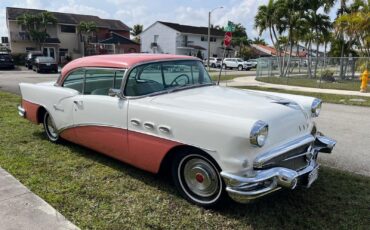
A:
[163,113]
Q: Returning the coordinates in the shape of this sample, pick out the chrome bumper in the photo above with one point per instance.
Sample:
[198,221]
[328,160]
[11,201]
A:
[21,111]
[242,188]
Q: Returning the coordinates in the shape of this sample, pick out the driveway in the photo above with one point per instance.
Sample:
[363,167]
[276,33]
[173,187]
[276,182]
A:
[9,79]
[349,125]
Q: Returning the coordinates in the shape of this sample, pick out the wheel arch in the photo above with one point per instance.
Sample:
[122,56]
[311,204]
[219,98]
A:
[165,165]
[40,114]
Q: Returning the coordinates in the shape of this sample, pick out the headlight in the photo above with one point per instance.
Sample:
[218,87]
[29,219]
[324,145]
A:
[259,133]
[316,107]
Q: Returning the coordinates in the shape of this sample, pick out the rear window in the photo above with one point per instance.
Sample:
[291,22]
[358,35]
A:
[45,59]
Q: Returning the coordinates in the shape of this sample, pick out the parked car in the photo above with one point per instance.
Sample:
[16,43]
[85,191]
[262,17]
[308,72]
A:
[6,61]
[160,112]
[30,58]
[44,64]
[231,63]
[213,62]
[253,62]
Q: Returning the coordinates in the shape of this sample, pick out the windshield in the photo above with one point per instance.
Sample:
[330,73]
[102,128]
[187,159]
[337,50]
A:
[45,59]
[166,76]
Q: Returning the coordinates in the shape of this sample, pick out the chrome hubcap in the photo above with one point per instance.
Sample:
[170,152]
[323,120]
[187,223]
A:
[201,178]
[51,127]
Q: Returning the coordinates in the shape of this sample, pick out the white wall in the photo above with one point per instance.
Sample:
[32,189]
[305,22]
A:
[69,41]
[196,40]
[166,39]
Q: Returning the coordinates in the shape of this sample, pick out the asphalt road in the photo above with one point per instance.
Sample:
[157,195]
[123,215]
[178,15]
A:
[349,125]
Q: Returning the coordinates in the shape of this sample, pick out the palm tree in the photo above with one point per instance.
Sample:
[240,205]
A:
[36,25]
[86,31]
[136,30]
[267,19]
[259,40]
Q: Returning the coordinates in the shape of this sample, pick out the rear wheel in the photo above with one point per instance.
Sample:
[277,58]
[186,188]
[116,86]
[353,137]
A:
[49,127]
[224,66]
[213,65]
[198,179]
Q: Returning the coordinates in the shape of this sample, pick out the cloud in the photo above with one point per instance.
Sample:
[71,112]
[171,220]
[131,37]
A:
[73,7]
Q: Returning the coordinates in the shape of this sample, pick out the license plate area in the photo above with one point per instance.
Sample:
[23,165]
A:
[312,176]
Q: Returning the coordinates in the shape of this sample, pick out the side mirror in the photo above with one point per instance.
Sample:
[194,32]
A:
[115,92]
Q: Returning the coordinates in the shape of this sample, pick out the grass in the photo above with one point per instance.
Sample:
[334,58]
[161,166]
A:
[325,97]
[224,77]
[353,85]
[97,192]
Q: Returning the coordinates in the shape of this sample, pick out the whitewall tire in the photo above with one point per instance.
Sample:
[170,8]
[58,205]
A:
[49,127]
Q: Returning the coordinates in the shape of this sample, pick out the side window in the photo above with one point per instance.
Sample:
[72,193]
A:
[144,80]
[99,81]
[75,80]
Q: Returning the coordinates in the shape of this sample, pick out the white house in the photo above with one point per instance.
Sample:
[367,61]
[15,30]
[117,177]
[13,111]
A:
[173,38]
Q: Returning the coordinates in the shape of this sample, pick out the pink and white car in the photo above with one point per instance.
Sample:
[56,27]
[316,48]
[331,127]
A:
[160,112]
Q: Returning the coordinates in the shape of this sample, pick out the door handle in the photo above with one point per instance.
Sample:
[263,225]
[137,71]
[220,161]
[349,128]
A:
[78,103]
[135,122]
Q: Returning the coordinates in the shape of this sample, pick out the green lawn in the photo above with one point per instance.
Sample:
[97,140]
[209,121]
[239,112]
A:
[97,192]
[224,77]
[326,97]
[353,85]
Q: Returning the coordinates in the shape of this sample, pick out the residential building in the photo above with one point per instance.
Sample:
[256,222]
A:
[297,51]
[173,38]
[112,36]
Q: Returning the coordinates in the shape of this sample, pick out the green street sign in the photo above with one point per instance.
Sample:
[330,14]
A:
[230,27]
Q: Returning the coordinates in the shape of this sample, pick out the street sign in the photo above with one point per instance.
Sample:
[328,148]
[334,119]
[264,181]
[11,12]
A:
[228,38]
[230,27]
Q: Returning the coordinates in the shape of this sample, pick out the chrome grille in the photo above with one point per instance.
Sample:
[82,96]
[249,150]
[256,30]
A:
[294,159]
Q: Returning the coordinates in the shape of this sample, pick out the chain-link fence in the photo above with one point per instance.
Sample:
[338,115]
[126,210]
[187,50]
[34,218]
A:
[330,72]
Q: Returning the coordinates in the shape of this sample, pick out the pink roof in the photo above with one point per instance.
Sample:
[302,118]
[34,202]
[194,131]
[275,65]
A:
[118,61]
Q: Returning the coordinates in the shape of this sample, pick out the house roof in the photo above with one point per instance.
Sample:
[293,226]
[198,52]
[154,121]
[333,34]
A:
[118,61]
[193,29]
[66,18]
[116,38]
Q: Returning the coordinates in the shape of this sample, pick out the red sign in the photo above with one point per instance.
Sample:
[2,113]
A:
[227,39]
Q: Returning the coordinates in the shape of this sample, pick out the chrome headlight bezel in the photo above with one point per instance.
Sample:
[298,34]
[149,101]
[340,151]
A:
[259,133]
[316,107]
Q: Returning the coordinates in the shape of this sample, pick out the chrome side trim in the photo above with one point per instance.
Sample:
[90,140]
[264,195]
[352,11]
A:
[21,111]
[264,157]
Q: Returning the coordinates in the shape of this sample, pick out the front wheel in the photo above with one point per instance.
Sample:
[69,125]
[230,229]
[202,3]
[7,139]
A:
[240,68]
[198,179]
[49,127]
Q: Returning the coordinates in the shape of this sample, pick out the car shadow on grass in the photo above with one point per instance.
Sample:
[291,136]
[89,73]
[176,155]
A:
[338,200]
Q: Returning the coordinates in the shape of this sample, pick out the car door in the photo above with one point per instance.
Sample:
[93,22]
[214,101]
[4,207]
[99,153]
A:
[100,120]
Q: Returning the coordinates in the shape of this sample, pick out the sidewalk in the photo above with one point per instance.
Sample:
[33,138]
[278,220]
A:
[21,209]
[251,81]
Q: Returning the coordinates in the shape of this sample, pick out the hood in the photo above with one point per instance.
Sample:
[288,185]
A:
[286,119]
[231,102]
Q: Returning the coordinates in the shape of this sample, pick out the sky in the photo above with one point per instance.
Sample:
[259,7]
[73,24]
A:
[146,12]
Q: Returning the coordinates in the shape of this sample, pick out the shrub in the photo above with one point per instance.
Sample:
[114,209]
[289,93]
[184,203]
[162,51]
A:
[327,75]
[19,58]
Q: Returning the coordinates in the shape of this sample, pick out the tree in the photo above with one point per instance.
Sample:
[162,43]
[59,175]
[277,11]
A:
[259,41]
[136,30]
[355,25]
[86,30]
[36,25]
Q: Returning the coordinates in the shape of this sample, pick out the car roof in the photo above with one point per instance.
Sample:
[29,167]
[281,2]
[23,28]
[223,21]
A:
[119,61]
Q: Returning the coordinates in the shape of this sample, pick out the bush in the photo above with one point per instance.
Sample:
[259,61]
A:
[19,58]
[327,75]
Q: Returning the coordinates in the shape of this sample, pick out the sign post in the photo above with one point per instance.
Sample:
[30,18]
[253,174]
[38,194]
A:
[227,42]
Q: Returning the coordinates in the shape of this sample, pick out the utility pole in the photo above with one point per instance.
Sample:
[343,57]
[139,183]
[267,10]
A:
[209,34]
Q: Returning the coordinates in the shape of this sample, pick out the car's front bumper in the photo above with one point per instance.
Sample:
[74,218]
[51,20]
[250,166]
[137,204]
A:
[243,188]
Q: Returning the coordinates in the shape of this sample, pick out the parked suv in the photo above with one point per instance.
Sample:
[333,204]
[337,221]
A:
[238,63]
[213,62]
[6,61]
[253,62]
[30,58]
